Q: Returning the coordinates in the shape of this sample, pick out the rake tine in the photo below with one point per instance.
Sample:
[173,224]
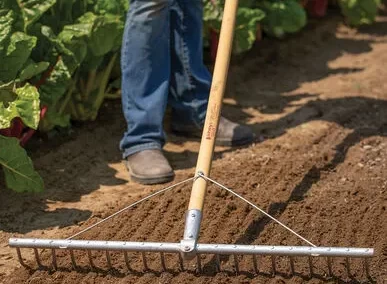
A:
[19,256]
[273,265]
[73,263]
[291,261]
[199,263]
[181,262]
[90,259]
[329,262]
[108,259]
[163,261]
[54,263]
[367,267]
[348,266]
[126,257]
[255,264]
[144,261]
[236,264]
[37,257]
[217,259]
[310,262]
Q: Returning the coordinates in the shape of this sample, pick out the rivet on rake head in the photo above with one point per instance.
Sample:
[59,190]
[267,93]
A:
[199,263]
[163,261]
[217,259]
[90,259]
[273,266]
[108,260]
[291,261]
[310,262]
[126,257]
[181,262]
[255,264]
[37,257]
[19,257]
[73,263]
[54,264]
[348,266]
[236,264]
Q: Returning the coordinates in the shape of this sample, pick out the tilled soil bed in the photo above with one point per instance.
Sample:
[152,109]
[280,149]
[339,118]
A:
[319,101]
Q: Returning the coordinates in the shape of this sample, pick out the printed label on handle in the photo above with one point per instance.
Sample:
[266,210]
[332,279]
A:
[211,130]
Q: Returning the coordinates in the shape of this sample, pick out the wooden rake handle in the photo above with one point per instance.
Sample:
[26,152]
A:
[214,104]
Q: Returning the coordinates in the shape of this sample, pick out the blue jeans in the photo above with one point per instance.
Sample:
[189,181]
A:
[162,63]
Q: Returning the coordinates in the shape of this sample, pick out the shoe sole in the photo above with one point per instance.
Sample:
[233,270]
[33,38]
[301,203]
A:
[234,143]
[149,180]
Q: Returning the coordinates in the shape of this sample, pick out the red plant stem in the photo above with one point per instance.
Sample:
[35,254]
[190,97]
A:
[47,74]
[17,127]
[27,135]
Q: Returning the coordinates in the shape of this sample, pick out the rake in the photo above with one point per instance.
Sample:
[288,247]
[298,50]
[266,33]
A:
[188,248]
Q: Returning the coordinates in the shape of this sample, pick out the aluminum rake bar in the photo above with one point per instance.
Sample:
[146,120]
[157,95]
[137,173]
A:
[200,248]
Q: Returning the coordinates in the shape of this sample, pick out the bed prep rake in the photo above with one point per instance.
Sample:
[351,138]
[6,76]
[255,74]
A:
[189,248]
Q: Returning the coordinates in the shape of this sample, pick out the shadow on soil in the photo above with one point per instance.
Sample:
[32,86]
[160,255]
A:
[81,165]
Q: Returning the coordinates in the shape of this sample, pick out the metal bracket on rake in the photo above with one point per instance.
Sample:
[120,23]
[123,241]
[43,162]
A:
[188,248]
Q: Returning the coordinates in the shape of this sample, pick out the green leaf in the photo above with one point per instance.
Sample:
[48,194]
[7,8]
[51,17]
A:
[32,69]
[19,172]
[15,55]
[11,6]
[246,26]
[92,62]
[282,17]
[360,12]
[33,9]
[53,119]
[26,106]
[117,7]
[246,29]
[101,33]
[6,22]
[7,95]
[104,35]
[56,85]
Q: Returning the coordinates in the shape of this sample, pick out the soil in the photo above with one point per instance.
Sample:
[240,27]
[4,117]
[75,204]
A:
[317,101]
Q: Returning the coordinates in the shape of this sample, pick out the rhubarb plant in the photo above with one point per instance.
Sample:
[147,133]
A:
[360,12]
[282,17]
[18,103]
[248,18]
[19,100]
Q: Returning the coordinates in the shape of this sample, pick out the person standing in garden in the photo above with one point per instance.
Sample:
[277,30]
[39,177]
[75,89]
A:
[162,62]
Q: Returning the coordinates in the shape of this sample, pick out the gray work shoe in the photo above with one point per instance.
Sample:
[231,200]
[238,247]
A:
[229,133]
[149,167]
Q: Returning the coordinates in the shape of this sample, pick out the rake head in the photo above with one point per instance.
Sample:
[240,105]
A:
[255,252]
